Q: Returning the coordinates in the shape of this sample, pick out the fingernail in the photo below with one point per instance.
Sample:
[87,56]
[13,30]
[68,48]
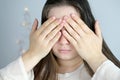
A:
[62,23]
[72,14]
[63,31]
[53,17]
[35,20]
[66,17]
[97,22]
[59,32]
[59,19]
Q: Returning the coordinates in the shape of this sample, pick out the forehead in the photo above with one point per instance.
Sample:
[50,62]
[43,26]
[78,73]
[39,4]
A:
[61,11]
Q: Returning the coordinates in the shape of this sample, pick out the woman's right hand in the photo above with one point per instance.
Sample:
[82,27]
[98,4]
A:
[41,41]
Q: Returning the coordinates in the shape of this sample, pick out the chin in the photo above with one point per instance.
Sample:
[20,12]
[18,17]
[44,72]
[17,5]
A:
[66,57]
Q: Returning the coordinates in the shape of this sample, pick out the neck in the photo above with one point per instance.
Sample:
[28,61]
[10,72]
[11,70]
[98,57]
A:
[66,66]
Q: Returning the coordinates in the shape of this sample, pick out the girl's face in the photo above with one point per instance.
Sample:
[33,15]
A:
[63,49]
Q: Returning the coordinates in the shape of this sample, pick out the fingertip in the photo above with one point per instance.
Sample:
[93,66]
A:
[97,29]
[96,23]
[36,20]
[73,15]
[59,33]
[35,25]
[53,17]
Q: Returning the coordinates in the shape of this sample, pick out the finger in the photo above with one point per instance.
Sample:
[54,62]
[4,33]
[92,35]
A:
[84,27]
[74,25]
[70,38]
[45,24]
[34,26]
[71,32]
[52,34]
[55,39]
[50,28]
[98,30]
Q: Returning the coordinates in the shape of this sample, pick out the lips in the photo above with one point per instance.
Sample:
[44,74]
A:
[64,50]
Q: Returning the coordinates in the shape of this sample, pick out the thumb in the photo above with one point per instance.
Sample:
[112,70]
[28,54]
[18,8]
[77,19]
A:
[98,30]
[34,26]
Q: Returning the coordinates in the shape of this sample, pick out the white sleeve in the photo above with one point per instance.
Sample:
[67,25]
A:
[16,71]
[107,71]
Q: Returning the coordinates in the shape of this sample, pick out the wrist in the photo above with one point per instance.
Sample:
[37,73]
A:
[96,61]
[30,60]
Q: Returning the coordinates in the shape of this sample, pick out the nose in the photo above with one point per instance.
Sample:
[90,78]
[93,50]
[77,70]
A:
[63,40]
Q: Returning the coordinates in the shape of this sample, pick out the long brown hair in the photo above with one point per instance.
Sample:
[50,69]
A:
[46,69]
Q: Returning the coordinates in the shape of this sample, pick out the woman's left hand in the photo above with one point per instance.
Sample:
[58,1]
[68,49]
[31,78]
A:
[87,43]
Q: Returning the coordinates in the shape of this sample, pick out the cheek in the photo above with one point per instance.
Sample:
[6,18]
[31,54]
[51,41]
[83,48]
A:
[54,48]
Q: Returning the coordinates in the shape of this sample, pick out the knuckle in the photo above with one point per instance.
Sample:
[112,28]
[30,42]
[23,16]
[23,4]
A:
[72,32]
[76,27]
[77,37]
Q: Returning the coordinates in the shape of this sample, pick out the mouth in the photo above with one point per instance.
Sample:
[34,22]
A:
[64,51]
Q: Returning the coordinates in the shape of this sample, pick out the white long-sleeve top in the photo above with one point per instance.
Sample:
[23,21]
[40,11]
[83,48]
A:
[16,71]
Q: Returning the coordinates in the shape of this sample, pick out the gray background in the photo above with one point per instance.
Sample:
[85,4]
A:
[107,12]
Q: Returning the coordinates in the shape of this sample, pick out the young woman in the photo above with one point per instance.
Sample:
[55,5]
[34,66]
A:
[67,46]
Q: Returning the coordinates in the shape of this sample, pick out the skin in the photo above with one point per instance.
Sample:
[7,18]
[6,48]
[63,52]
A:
[41,41]
[67,56]
[70,39]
